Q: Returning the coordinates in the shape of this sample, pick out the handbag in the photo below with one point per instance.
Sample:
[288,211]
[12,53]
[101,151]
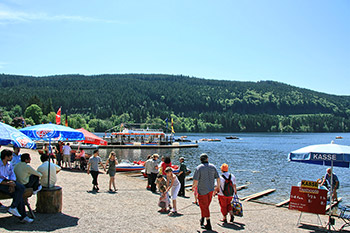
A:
[237,206]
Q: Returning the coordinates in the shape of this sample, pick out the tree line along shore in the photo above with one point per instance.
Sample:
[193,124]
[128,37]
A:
[100,102]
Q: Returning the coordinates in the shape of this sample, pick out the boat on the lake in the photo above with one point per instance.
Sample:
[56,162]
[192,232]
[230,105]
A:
[232,137]
[338,137]
[136,137]
[210,140]
[127,166]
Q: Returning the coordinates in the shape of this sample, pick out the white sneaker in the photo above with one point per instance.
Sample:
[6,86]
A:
[36,191]
[27,220]
[14,211]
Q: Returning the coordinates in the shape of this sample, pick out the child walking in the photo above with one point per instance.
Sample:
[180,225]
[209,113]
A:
[174,186]
[112,161]
[94,161]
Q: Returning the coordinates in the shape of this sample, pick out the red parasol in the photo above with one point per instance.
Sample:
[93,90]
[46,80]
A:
[91,138]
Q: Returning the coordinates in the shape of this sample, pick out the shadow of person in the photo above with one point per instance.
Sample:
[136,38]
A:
[42,222]
[235,226]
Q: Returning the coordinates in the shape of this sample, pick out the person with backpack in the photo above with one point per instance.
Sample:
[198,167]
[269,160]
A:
[226,192]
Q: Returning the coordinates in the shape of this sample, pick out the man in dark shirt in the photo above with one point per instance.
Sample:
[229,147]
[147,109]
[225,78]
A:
[181,176]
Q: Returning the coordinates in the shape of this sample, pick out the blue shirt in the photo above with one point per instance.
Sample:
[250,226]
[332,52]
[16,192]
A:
[6,172]
[15,159]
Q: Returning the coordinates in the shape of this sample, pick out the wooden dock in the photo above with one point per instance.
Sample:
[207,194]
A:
[282,203]
[242,187]
[333,204]
[257,195]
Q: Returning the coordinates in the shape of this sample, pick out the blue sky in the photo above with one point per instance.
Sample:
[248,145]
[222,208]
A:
[298,42]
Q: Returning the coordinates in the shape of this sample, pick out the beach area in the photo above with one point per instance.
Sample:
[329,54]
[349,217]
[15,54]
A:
[135,209]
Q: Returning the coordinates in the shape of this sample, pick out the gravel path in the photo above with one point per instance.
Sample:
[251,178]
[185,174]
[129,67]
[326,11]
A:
[134,209]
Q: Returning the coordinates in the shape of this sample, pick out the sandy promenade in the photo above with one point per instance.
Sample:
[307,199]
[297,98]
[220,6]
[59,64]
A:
[134,209]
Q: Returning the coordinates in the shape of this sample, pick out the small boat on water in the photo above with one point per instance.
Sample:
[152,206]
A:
[232,137]
[338,137]
[210,140]
[127,166]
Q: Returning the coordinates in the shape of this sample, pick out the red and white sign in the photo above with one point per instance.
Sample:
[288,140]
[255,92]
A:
[308,200]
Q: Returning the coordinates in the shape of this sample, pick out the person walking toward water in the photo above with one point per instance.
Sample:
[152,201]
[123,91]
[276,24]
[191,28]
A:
[226,192]
[94,161]
[173,184]
[204,180]
[112,161]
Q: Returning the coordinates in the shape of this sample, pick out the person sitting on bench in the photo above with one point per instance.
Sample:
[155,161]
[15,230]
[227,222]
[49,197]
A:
[26,175]
[10,186]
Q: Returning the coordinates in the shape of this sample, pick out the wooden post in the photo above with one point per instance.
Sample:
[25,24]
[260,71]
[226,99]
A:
[49,200]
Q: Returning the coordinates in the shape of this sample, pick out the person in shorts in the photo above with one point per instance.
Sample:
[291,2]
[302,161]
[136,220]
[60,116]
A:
[66,155]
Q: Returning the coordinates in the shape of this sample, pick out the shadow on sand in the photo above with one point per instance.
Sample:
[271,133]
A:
[316,229]
[234,226]
[42,222]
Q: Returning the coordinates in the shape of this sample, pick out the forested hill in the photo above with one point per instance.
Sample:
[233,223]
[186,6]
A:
[145,96]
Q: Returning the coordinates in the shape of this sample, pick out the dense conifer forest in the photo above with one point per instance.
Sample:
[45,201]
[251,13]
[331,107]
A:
[100,102]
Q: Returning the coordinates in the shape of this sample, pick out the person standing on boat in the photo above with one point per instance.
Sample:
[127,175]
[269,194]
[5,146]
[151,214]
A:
[181,176]
[94,161]
[204,180]
[154,172]
[112,161]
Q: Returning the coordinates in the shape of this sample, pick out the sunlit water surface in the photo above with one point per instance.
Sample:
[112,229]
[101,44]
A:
[257,159]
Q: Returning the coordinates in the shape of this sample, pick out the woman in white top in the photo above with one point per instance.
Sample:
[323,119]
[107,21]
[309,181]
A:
[174,186]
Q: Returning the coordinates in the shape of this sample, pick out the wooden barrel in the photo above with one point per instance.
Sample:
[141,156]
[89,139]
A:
[49,200]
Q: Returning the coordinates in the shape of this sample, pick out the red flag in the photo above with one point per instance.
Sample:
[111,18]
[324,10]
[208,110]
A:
[66,120]
[58,116]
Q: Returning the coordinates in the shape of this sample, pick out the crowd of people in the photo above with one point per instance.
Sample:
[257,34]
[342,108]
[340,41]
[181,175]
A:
[16,175]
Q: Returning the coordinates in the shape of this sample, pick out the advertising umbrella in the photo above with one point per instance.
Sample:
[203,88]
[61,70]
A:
[10,135]
[91,138]
[50,131]
[323,154]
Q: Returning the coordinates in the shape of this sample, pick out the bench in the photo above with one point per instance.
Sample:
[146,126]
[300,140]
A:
[28,192]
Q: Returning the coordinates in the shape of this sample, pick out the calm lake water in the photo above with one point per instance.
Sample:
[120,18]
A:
[257,159]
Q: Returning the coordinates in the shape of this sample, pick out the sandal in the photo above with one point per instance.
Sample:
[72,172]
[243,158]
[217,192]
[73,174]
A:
[173,213]
[223,220]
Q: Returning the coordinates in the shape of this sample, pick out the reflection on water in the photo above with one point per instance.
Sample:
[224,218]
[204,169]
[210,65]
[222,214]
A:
[259,159]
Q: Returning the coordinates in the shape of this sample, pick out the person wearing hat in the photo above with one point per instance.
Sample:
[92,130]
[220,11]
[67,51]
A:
[204,179]
[181,176]
[225,196]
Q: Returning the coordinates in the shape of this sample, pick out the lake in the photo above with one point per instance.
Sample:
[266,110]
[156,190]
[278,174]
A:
[257,159]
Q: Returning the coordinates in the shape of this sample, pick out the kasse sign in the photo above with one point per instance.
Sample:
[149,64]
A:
[318,156]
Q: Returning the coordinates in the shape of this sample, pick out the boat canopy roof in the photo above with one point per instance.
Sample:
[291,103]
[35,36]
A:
[141,132]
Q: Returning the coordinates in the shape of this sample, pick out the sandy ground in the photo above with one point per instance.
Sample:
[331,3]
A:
[134,209]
